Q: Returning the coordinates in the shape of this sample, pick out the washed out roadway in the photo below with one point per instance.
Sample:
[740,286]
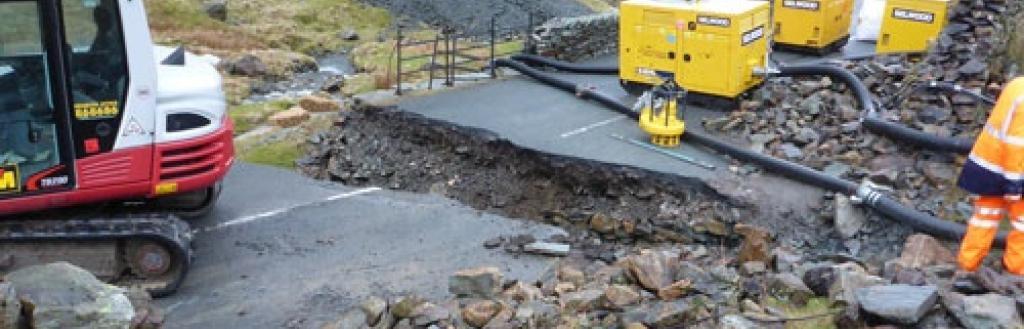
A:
[284,250]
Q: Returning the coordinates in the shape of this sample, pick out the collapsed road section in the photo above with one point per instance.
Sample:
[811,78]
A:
[400,150]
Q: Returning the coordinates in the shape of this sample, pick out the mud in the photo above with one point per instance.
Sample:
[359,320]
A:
[403,151]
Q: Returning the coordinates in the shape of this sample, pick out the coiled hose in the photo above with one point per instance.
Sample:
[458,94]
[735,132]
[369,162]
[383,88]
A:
[876,200]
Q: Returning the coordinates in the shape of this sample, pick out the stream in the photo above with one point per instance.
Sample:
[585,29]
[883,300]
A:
[333,69]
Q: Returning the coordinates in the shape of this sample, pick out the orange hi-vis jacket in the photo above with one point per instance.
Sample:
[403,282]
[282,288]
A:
[996,164]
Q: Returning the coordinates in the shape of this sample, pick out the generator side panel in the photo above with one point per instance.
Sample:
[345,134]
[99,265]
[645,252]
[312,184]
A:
[838,17]
[798,22]
[752,45]
[911,26]
[649,43]
[812,23]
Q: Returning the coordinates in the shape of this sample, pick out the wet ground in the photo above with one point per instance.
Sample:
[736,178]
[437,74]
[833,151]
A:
[281,250]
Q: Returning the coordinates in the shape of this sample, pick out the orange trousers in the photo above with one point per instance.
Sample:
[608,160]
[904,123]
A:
[982,230]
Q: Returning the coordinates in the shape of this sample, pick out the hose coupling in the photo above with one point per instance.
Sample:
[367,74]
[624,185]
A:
[766,71]
[868,193]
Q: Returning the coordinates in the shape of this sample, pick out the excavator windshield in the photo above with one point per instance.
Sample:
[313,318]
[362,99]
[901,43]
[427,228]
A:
[28,136]
[33,154]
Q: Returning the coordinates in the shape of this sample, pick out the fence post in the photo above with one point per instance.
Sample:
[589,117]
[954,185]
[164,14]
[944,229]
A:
[455,49]
[433,63]
[494,40]
[527,38]
[398,65]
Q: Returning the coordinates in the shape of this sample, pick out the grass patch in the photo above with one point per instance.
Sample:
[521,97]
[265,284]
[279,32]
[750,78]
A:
[598,6]
[278,154]
[308,26]
[249,116]
[814,307]
[281,147]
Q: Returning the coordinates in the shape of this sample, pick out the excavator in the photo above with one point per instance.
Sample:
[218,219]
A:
[108,144]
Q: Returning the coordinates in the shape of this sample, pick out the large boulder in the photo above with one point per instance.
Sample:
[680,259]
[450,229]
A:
[62,296]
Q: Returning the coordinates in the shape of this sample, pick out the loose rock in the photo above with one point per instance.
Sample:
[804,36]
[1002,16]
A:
[484,282]
[902,304]
[983,311]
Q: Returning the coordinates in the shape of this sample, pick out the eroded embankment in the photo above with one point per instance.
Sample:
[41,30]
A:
[399,150]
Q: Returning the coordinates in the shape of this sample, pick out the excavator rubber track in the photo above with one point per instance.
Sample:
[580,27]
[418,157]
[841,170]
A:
[151,251]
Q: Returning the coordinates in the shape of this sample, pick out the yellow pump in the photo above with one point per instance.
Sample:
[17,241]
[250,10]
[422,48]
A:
[818,26]
[711,47]
[659,116]
[911,26]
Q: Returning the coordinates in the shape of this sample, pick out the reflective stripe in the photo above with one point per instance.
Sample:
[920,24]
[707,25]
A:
[1012,140]
[982,223]
[989,211]
[1018,226]
[995,168]
[1008,120]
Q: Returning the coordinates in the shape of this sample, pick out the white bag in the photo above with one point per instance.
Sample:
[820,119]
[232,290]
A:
[869,20]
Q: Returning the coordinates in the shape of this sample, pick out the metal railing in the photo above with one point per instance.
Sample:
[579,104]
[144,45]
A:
[451,52]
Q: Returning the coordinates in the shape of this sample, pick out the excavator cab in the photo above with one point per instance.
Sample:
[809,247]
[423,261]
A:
[57,89]
[84,121]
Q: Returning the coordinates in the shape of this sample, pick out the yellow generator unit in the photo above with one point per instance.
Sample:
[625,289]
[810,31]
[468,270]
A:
[819,26]
[911,26]
[710,47]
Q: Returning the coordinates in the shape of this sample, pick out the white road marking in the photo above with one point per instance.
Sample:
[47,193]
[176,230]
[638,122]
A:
[275,212]
[592,126]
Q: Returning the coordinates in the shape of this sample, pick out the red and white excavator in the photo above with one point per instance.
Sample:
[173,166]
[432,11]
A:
[91,112]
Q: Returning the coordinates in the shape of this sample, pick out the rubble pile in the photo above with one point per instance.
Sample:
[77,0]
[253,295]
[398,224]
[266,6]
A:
[816,121]
[597,200]
[694,286]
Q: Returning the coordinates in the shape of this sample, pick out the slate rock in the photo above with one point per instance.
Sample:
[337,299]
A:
[983,311]
[904,304]
[482,282]
[787,286]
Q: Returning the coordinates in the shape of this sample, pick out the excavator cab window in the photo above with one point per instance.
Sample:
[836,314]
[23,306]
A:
[98,72]
[28,128]
[98,65]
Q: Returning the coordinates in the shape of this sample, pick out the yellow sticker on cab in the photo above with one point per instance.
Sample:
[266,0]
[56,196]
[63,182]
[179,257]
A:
[10,182]
[97,110]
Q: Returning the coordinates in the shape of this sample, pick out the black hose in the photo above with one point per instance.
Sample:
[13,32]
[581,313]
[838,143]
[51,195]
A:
[535,60]
[860,91]
[872,119]
[884,204]
[902,134]
[957,89]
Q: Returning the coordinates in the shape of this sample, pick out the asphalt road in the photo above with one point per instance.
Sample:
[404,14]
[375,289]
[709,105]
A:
[540,117]
[283,250]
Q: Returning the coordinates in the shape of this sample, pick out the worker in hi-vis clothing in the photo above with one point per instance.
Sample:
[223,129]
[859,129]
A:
[995,172]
